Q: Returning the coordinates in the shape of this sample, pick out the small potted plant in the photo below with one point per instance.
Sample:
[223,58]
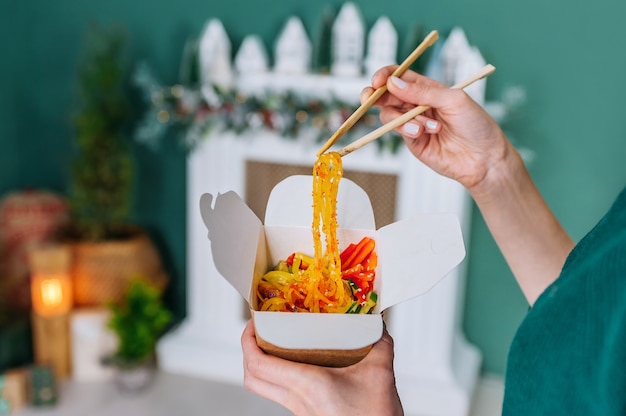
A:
[137,321]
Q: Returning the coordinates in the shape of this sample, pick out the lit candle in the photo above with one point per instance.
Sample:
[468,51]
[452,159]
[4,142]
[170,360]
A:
[51,293]
[51,289]
[51,296]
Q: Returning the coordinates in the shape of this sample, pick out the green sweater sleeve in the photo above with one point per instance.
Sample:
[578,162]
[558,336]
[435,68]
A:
[568,356]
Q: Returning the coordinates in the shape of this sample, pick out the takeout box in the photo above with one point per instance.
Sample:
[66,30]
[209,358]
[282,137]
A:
[413,255]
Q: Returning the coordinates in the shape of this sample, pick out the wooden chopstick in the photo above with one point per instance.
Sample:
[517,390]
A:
[359,112]
[411,114]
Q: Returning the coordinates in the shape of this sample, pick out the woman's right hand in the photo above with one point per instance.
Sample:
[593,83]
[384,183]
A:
[456,137]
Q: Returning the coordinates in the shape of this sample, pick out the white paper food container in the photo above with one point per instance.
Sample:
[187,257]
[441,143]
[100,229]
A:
[413,255]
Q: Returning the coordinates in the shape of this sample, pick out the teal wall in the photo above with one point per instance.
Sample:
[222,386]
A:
[567,54]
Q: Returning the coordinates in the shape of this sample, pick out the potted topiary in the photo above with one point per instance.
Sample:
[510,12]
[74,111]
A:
[137,321]
[102,172]
[108,249]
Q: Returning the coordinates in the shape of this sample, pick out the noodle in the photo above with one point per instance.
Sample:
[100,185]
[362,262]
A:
[305,284]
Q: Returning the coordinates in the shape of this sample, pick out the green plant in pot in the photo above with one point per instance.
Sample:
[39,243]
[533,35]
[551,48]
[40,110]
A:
[102,173]
[108,248]
[138,321]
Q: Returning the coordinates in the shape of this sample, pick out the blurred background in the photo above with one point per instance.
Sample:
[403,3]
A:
[565,55]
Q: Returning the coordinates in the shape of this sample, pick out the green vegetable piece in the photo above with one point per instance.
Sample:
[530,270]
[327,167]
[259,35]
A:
[370,302]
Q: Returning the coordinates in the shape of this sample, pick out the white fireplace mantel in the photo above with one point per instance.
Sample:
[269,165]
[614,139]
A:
[436,368]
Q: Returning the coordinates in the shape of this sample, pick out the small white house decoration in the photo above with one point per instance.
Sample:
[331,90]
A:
[348,37]
[382,44]
[452,52]
[459,60]
[293,49]
[472,62]
[251,57]
[214,52]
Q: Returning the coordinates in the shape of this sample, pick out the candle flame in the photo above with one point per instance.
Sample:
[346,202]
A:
[51,292]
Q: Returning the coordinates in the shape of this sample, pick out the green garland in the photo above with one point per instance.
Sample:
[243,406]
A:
[186,110]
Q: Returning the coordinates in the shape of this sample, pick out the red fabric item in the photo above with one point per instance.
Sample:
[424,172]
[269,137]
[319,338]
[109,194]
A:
[27,218]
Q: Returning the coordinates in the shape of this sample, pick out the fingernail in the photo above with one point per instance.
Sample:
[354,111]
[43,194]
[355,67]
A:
[398,82]
[431,124]
[411,128]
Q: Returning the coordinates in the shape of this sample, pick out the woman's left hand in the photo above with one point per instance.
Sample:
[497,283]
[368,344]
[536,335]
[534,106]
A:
[365,388]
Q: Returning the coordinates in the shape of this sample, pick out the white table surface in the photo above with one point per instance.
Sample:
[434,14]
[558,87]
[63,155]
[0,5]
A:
[172,394]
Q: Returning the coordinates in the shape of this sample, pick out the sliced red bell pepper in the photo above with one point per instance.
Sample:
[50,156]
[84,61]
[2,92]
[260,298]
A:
[362,282]
[305,261]
[352,270]
[346,253]
[364,251]
[371,261]
[360,252]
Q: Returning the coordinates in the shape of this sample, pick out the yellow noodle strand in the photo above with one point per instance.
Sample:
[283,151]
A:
[320,287]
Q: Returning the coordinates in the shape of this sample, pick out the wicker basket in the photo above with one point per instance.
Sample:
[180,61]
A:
[103,270]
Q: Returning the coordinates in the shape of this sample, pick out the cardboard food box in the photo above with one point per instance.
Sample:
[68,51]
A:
[413,255]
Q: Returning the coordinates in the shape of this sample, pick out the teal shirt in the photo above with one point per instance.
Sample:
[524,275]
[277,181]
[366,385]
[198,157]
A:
[568,356]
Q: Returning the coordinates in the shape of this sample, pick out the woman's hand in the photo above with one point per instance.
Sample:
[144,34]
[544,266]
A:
[456,137]
[365,388]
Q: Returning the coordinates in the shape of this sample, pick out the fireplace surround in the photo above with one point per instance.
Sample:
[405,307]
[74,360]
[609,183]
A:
[436,368]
